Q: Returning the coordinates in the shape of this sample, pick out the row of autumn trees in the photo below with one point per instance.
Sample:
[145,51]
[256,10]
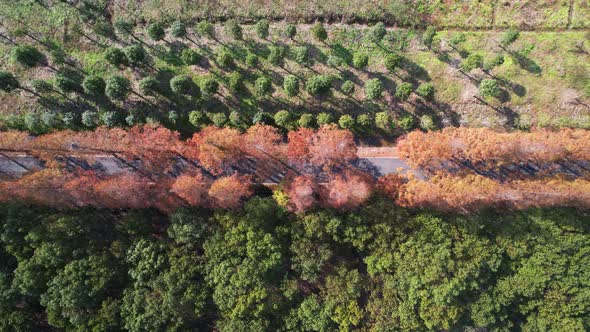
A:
[316,165]
[484,145]
[451,186]
[209,178]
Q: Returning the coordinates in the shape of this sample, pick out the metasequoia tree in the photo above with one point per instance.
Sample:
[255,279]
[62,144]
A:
[299,142]
[229,192]
[303,192]
[348,190]
[330,146]
[262,139]
[391,184]
[192,188]
[216,148]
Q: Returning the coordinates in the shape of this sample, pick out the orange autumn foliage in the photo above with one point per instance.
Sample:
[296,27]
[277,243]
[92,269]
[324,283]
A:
[229,192]
[303,193]
[348,190]
[331,145]
[450,193]
[391,184]
[192,189]
[262,140]
[471,193]
[299,142]
[483,144]
[216,148]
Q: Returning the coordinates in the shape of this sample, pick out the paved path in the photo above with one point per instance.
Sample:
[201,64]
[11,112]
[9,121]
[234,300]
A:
[374,160]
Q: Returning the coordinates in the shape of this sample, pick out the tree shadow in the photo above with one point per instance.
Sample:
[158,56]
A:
[316,54]
[342,52]
[415,70]
[526,63]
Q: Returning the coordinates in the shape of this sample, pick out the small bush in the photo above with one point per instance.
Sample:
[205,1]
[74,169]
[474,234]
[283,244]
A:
[34,123]
[377,32]
[348,88]
[262,29]
[66,82]
[291,31]
[135,54]
[94,85]
[178,29]
[156,31]
[334,61]
[426,123]
[173,117]
[233,29]
[115,56]
[205,29]
[383,121]
[364,120]
[403,91]
[291,85]
[181,84]
[225,59]
[234,82]
[392,62]
[251,60]
[360,60]
[117,88]
[318,84]
[71,120]
[109,119]
[196,118]
[301,54]
[346,121]
[319,32]
[27,56]
[235,118]
[472,61]
[283,119]
[509,37]
[457,39]
[374,89]
[428,36]
[305,120]
[425,90]
[489,88]
[218,119]
[276,55]
[123,26]
[90,119]
[324,119]
[149,85]
[263,85]
[209,86]
[406,122]
[51,120]
[190,56]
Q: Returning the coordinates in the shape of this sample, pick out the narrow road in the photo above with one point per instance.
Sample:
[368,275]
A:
[377,161]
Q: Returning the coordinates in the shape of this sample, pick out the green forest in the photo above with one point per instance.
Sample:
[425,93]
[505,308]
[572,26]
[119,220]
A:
[262,268]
